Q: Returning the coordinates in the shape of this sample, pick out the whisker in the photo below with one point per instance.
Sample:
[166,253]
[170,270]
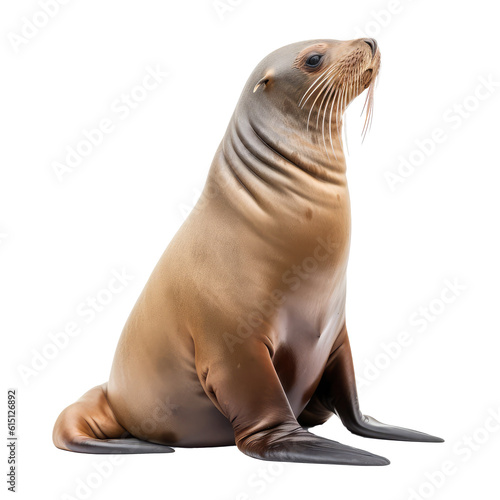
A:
[334,96]
[369,111]
[338,114]
[356,84]
[330,86]
[326,84]
[329,94]
[346,105]
[324,76]
[312,84]
[331,103]
[330,128]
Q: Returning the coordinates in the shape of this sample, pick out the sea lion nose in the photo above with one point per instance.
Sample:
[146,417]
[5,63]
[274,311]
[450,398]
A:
[372,43]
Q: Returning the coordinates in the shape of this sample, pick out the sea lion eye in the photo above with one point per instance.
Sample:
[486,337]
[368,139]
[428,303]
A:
[313,61]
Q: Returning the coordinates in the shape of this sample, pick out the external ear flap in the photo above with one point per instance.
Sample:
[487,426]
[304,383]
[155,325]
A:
[262,82]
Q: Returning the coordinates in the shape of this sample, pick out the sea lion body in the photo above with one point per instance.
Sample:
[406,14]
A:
[239,335]
[177,324]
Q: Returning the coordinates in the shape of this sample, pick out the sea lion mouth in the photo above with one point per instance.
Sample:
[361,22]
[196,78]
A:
[367,77]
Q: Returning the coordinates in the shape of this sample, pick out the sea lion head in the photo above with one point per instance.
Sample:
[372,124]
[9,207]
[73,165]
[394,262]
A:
[301,91]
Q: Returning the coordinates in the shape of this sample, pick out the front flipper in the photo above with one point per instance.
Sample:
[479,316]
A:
[246,389]
[288,442]
[336,393]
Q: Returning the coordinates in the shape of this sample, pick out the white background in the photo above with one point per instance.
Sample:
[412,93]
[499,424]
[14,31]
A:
[60,241]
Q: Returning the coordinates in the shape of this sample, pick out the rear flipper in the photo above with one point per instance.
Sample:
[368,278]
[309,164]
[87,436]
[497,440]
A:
[336,393]
[125,446]
[89,426]
[244,386]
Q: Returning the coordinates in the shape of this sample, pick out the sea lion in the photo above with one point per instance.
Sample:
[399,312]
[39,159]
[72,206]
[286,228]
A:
[239,336]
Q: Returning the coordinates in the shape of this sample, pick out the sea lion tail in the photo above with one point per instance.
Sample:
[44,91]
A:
[90,426]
